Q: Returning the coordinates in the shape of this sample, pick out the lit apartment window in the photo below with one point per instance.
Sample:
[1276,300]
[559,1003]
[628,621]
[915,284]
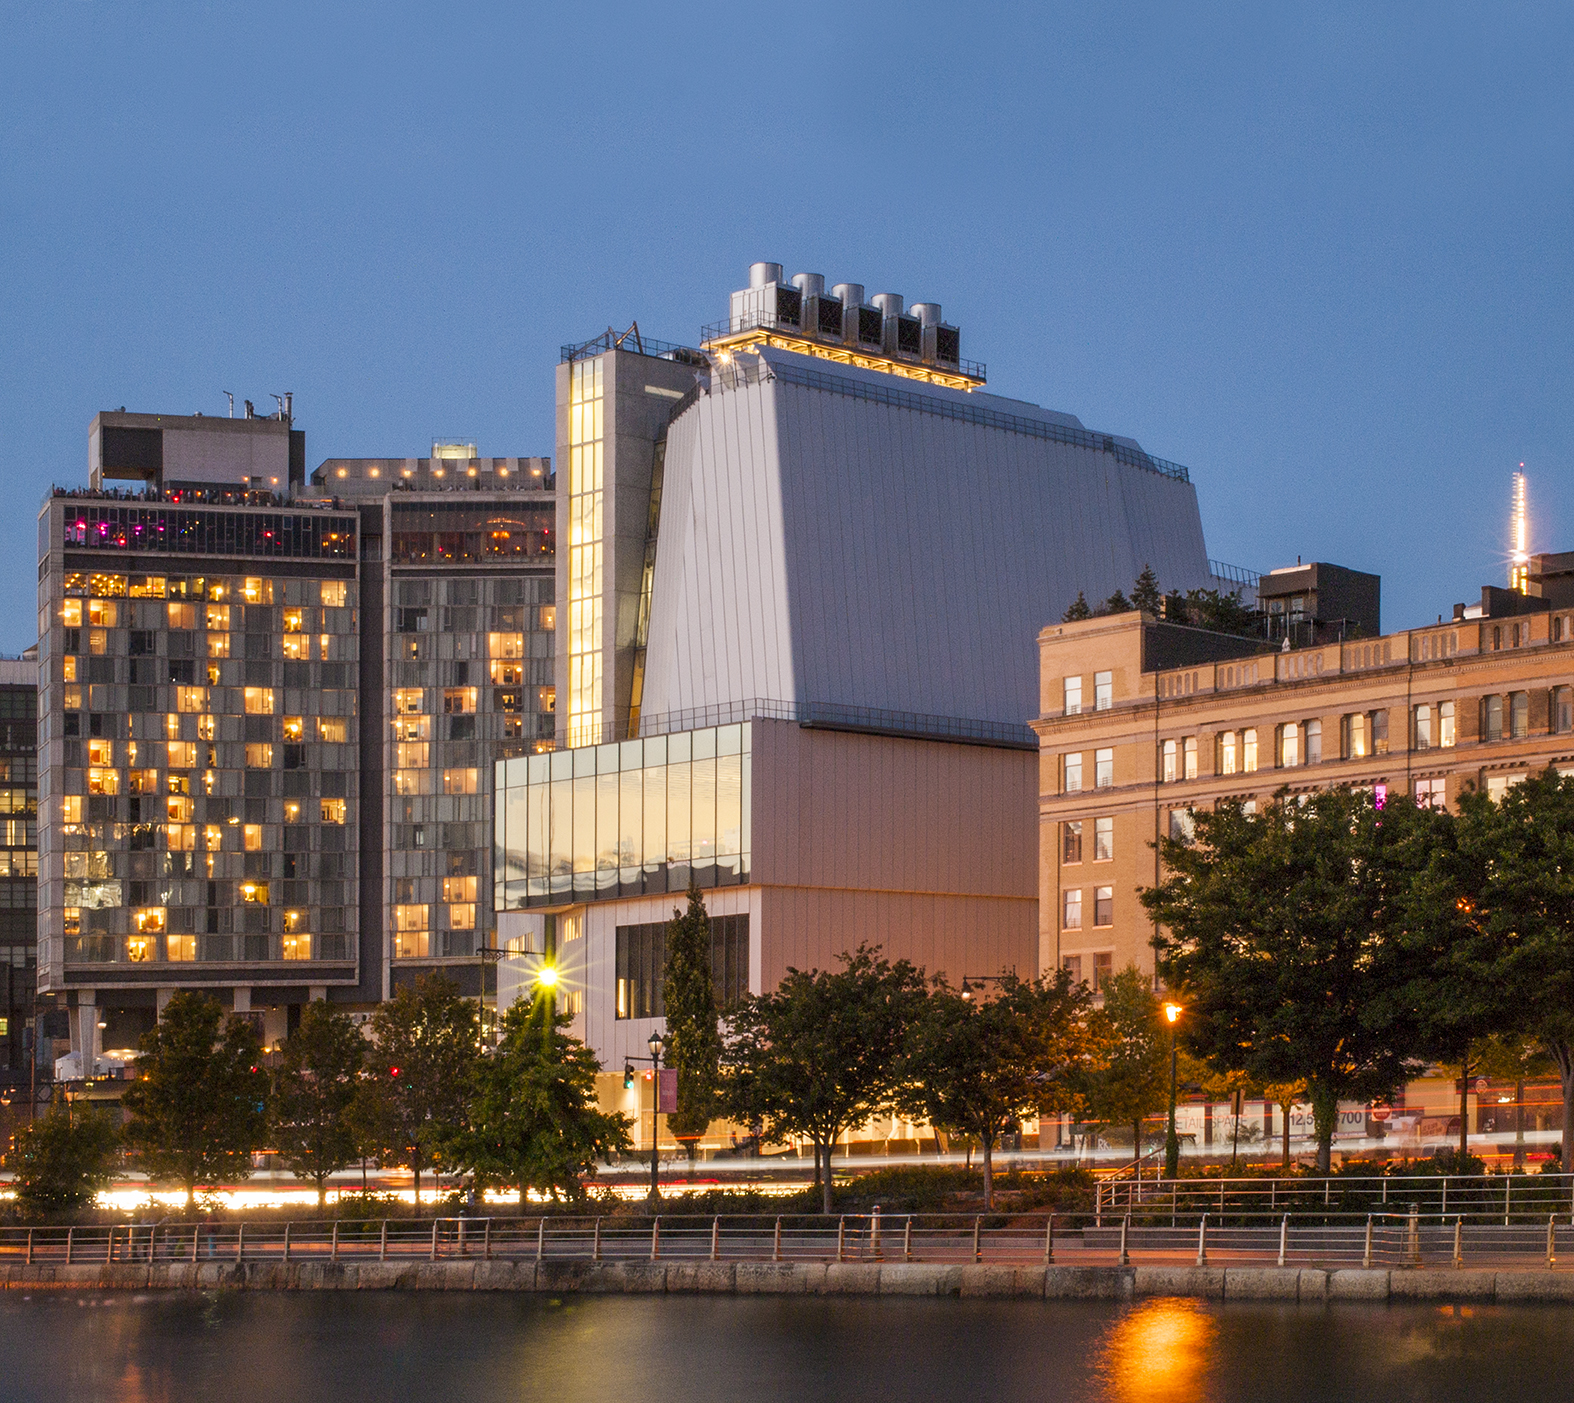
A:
[1073,772]
[1072,916]
[407,701]
[1431,793]
[1519,714]
[1103,769]
[1249,750]
[1445,724]
[460,781]
[1355,737]
[332,728]
[1169,762]
[1422,726]
[1492,718]
[1189,757]
[259,701]
[1103,691]
[333,592]
[1183,827]
[259,756]
[1228,760]
[1071,841]
[181,947]
[1562,710]
[333,810]
[251,837]
[1498,785]
[254,893]
[1103,839]
[1073,696]
[1104,906]
[1289,744]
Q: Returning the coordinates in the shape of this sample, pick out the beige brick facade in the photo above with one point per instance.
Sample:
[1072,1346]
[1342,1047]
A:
[1136,742]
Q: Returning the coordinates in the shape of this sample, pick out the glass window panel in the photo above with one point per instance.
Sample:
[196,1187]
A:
[678,813]
[537,851]
[562,826]
[584,823]
[630,806]
[702,842]
[729,805]
[655,836]
[607,820]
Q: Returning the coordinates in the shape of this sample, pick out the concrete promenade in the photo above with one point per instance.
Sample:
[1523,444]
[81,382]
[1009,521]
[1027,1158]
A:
[1307,1285]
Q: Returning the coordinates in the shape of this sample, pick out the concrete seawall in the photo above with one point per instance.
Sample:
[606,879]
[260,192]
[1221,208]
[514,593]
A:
[1303,1284]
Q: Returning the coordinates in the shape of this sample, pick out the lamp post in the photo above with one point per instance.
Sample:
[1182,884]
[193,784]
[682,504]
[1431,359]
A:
[657,1047]
[1172,1013]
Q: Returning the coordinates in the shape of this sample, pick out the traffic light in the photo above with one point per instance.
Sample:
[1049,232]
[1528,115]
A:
[628,1075]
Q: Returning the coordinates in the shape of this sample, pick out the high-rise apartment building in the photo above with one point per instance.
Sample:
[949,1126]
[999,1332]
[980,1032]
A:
[269,720]
[20,1039]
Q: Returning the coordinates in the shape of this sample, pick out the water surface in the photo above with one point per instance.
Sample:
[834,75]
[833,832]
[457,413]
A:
[310,1348]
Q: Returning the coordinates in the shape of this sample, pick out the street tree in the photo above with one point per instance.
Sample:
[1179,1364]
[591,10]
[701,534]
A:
[693,1025]
[61,1160]
[821,1052]
[534,1121]
[1528,905]
[1077,609]
[1275,927]
[426,1049]
[976,1065]
[1129,1076]
[1145,593]
[314,1088]
[199,1102]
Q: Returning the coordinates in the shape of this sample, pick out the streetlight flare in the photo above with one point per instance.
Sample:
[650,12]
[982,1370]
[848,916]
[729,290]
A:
[546,977]
[1173,1011]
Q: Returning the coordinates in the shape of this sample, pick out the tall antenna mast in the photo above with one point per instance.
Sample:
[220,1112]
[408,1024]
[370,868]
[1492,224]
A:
[1519,530]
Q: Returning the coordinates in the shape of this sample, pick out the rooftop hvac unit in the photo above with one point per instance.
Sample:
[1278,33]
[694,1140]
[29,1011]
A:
[909,336]
[948,345]
[871,326]
[828,318]
[789,306]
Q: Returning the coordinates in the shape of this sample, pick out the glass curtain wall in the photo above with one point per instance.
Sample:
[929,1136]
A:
[584,556]
[626,819]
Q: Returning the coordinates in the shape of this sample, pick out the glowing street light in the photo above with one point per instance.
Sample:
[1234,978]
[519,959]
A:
[546,977]
[1172,1013]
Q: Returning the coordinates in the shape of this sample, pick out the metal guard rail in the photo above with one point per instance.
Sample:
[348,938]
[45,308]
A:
[1083,1239]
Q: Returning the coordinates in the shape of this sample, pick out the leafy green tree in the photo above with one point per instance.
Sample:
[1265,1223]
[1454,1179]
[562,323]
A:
[64,1158]
[421,1071]
[1286,1095]
[1117,603]
[1528,903]
[977,1066]
[693,1031]
[1145,594]
[314,1087]
[1275,926]
[1130,1075]
[199,1103]
[534,1122]
[1077,609]
[821,1052]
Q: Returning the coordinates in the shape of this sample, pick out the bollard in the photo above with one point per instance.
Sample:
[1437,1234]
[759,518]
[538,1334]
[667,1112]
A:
[1508,1192]
[109,1250]
[1049,1241]
[30,1247]
[907,1240]
[196,1232]
[977,1223]
[1552,1240]
[776,1242]
[240,1243]
[715,1239]
[333,1251]
[286,1242]
[541,1237]
[1202,1241]
[462,1237]
[655,1238]
[433,1256]
[382,1244]
[69,1233]
[1284,1239]
[1098,1205]
[486,1241]
[595,1242]
[1459,1240]
[841,1238]
[1125,1256]
[1366,1255]
[1415,1234]
[874,1233]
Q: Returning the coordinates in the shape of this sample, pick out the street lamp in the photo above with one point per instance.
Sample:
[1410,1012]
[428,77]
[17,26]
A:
[1172,1013]
[658,1045]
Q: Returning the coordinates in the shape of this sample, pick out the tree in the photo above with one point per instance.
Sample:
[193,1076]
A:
[977,1067]
[820,1053]
[1117,603]
[1286,1095]
[1130,1078]
[64,1158]
[199,1103]
[1077,609]
[1145,593]
[534,1122]
[1528,903]
[314,1088]
[426,1050]
[1275,928]
[693,1034]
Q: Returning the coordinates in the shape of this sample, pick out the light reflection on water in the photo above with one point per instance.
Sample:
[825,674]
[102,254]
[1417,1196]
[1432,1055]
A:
[333,1347]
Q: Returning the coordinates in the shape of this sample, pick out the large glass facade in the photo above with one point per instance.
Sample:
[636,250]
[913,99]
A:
[629,818]
[464,534]
[585,453]
[185,531]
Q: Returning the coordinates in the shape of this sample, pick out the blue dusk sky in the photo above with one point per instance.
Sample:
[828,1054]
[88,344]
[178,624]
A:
[1319,254]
